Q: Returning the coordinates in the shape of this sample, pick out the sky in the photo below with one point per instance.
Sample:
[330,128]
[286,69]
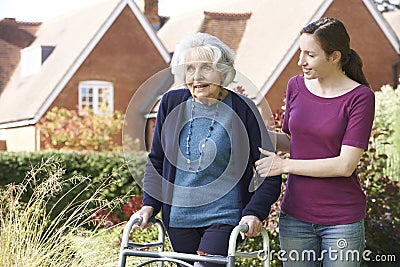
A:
[42,10]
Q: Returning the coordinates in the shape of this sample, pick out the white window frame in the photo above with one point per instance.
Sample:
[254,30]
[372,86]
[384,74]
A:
[96,99]
[31,60]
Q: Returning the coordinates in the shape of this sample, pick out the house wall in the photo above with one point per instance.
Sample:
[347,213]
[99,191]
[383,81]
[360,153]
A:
[3,143]
[126,57]
[22,139]
[367,39]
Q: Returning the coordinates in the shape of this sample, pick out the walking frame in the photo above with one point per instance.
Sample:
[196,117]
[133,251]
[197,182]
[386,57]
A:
[160,255]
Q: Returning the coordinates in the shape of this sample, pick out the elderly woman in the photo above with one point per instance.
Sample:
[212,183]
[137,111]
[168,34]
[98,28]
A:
[202,160]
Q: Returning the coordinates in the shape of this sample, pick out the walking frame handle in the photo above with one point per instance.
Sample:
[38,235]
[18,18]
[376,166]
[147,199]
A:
[260,254]
[125,244]
[173,256]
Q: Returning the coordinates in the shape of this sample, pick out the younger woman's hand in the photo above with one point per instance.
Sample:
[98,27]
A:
[270,165]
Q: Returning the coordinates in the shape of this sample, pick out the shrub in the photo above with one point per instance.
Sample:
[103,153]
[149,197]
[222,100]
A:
[33,234]
[379,173]
[67,129]
[387,133]
[382,223]
[96,167]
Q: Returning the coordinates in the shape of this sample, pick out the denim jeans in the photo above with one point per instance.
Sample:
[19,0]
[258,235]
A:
[307,244]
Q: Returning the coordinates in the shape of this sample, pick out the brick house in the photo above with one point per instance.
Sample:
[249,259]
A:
[118,49]
[103,52]
[264,35]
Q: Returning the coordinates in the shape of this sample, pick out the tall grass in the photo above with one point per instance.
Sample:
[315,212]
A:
[31,234]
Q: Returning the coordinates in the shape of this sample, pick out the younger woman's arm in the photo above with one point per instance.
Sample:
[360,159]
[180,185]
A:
[340,166]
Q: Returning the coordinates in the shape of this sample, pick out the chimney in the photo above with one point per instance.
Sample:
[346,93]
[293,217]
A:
[151,12]
[10,21]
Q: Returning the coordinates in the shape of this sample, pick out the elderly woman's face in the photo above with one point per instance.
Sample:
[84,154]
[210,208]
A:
[202,79]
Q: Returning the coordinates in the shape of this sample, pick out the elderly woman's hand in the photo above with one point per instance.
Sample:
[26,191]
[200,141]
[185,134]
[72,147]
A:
[145,212]
[255,225]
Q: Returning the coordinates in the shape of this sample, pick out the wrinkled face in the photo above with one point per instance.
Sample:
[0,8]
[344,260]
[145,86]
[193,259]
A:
[312,59]
[202,79]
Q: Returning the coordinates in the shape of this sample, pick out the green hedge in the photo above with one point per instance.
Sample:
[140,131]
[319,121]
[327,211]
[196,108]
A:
[97,166]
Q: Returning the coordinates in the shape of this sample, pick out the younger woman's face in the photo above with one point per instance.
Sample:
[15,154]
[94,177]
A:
[202,79]
[313,60]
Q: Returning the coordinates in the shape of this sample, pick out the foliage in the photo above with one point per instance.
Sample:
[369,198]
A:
[383,217]
[96,166]
[106,219]
[387,130]
[382,223]
[379,172]
[32,234]
[67,129]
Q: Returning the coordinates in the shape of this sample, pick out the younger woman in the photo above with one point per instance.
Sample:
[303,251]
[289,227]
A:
[328,120]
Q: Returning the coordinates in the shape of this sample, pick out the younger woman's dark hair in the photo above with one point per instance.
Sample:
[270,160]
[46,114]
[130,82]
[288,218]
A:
[332,36]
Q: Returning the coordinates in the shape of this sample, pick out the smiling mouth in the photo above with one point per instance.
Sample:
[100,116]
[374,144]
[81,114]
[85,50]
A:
[200,86]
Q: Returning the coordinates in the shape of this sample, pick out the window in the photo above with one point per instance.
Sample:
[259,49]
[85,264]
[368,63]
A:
[95,94]
[32,58]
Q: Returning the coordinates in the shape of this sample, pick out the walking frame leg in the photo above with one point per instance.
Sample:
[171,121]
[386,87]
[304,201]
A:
[125,238]
[125,249]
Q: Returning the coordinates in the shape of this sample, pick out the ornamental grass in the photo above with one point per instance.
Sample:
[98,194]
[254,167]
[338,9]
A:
[34,231]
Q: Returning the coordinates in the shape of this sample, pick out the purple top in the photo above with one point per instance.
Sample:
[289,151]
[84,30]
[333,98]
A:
[318,128]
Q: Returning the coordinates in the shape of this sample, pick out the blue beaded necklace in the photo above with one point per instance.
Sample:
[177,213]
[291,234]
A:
[190,131]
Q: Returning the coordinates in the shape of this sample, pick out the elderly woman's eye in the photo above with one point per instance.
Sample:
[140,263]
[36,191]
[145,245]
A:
[208,67]
[190,69]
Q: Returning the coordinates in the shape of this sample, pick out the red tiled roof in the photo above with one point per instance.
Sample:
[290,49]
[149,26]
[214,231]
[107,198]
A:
[228,27]
[21,34]
[9,58]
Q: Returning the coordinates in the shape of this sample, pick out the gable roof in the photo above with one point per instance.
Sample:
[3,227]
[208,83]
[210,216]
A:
[270,39]
[25,100]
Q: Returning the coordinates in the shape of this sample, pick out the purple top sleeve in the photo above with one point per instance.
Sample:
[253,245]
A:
[319,127]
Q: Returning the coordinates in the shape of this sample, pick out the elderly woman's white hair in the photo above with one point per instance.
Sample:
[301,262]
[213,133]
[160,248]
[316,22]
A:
[206,46]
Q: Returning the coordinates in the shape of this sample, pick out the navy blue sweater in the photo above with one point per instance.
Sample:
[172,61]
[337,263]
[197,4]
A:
[248,133]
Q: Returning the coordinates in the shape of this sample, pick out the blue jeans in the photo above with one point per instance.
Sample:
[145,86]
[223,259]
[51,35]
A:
[307,244]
